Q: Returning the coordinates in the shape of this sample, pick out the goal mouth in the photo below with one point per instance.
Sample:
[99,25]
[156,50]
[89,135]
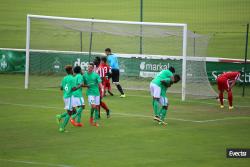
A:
[146,47]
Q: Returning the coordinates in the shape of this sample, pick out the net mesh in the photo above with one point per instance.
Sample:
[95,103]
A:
[56,43]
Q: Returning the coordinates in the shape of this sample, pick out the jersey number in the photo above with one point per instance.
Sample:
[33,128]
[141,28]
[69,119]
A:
[66,88]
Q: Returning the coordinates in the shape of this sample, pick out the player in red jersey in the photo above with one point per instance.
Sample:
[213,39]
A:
[104,71]
[226,81]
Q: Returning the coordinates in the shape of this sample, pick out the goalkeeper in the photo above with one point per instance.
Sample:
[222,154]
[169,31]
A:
[115,71]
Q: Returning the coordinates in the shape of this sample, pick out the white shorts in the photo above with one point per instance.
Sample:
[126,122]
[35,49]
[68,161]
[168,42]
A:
[164,101]
[77,101]
[155,90]
[67,103]
[94,100]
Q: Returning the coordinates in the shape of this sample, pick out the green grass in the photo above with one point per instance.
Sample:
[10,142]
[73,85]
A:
[223,20]
[29,132]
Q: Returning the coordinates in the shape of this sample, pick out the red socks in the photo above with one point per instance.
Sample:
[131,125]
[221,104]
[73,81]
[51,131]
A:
[104,106]
[230,98]
[221,98]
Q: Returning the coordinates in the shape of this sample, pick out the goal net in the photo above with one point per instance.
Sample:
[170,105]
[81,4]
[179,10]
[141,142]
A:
[143,50]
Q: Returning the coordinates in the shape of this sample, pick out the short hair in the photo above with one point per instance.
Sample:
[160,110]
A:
[91,64]
[97,60]
[68,69]
[107,50]
[104,59]
[172,69]
[77,69]
[177,78]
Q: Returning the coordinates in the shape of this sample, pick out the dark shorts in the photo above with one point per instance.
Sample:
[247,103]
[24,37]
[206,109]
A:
[115,75]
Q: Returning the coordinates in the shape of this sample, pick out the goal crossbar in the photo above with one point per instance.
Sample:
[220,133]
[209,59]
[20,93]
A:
[105,21]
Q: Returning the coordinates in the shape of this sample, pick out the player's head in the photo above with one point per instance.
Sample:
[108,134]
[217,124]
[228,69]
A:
[171,69]
[104,60]
[177,78]
[107,51]
[91,67]
[97,61]
[77,70]
[68,69]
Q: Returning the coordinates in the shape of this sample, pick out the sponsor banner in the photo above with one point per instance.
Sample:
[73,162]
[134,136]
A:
[214,69]
[12,61]
[52,62]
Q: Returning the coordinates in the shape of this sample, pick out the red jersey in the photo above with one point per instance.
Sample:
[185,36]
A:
[230,75]
[103,70]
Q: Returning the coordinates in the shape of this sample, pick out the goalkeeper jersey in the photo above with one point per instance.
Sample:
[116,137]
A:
[113,61]
[67,84]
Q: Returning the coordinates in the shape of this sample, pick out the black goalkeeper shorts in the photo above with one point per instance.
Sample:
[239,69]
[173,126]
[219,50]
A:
[115,75]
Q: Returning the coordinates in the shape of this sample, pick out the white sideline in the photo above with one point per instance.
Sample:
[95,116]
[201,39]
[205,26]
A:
[134,115]
[35,163]
[144,96]
[223,119]
[192,101]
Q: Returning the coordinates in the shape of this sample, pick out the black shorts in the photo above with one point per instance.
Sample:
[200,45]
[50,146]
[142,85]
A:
[115,75]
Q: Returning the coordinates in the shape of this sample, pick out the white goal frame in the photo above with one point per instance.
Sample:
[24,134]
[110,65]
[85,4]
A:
[184,40]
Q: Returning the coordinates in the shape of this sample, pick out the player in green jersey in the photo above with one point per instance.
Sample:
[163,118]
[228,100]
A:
[66,86]
[77,98]
[155,88]
[163,97]
[93,81]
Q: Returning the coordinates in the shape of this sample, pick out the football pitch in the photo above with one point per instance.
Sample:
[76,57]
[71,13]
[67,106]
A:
[198,132]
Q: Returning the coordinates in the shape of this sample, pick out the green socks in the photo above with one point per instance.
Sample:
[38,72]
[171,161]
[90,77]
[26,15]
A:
[156,107]
[65,121]
[92,112]
[78,114]
[96,115]
[63,114]
[163,114]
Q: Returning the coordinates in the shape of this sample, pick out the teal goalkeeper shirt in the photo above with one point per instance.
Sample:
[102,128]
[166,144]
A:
[113,61]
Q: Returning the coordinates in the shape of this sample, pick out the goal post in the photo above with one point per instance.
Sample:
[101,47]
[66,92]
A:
[26,84]
[159,39]
[184,63]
